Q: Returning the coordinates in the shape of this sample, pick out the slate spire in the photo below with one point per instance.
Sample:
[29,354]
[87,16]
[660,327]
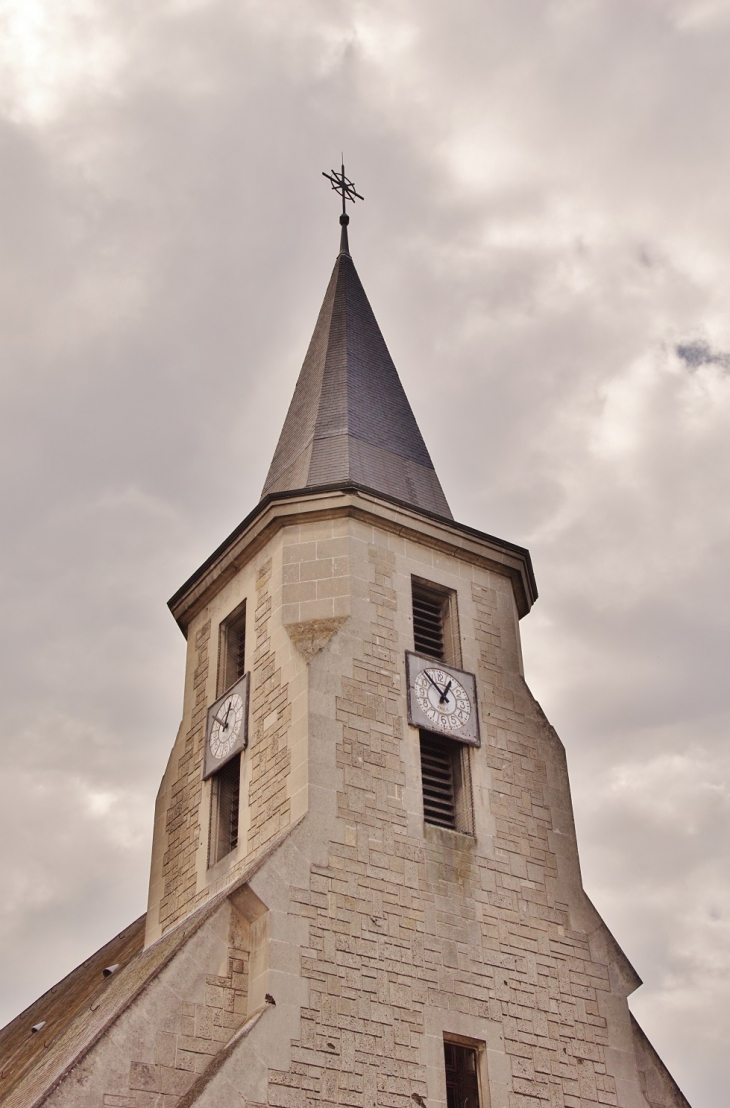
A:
[349,420]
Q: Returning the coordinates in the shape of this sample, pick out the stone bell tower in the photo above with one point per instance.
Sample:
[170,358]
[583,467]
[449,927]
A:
[365,888]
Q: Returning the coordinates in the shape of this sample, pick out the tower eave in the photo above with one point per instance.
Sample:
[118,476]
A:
[288,507]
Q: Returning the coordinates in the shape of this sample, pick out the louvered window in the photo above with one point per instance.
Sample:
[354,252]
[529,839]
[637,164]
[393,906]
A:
[462,1082]
[224,809]
[232,649]
[428,623]
[435,624]
[446,783]
[437,776]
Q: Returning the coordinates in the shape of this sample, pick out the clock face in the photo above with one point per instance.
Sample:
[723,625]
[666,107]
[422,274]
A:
[442,699]
[226,725]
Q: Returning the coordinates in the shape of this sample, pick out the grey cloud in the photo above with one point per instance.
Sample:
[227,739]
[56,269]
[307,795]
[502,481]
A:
[698,352]
[167,239]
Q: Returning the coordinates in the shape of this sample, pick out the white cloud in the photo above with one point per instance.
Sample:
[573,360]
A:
[53,53]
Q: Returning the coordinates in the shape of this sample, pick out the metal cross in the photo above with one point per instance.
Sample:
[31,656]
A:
[343,185]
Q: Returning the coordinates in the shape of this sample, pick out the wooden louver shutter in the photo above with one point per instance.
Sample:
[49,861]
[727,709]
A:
[428,623]
[437,776]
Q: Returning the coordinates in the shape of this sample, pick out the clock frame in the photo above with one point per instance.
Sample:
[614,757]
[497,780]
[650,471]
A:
[455,721]
[217,750]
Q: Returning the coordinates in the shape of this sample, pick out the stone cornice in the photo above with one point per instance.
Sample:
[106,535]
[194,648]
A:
[284,509]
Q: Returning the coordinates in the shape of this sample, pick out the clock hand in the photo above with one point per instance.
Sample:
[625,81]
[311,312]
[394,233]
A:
[443,693]
[224,722]
[438,688]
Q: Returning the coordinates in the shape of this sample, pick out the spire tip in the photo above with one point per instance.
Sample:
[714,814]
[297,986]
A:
[344,242]
[346,189]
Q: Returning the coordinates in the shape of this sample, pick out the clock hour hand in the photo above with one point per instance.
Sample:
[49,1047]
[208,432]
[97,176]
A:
[224,722]
[445,694]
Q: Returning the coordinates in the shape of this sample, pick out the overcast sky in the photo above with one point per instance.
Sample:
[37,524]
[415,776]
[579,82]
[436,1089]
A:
[545,241]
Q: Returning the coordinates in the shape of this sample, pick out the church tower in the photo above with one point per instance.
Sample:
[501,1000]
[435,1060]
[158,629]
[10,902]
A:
[365,888]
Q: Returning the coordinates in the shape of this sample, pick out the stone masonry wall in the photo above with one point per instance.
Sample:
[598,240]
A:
[413,931]
[268,800]
[193,1038]
[403,925]
[183,815]
[173,1031]
[265,801]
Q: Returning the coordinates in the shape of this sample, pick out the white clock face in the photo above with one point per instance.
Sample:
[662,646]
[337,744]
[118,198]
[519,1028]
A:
[443,700]
[226,726]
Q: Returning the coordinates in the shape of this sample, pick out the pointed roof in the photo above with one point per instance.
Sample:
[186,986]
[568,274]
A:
[349,420]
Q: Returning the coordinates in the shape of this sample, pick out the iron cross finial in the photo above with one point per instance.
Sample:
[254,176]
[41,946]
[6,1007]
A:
[343,185]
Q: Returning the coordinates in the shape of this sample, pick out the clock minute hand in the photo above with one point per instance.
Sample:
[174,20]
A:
[438,688]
